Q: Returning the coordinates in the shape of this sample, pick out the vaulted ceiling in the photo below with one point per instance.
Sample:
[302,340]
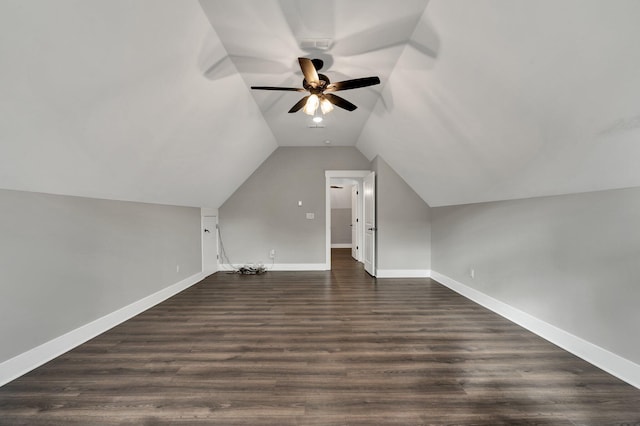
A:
[263,39]
[150,100]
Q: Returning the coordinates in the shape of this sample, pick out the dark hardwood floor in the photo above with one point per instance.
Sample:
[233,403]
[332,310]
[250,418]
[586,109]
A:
[318,348]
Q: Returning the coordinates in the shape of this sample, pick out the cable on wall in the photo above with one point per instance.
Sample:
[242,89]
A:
[246,269]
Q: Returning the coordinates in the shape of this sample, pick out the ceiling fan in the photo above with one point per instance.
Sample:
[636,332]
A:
[320,89]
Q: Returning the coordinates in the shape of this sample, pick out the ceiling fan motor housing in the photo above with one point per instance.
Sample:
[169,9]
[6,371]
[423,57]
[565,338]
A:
[323,82]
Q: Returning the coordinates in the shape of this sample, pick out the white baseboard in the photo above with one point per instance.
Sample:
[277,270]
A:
[345,245]
[21,364]
[608,361]
[403,273]
[207,272]
[285,267]
[298,267]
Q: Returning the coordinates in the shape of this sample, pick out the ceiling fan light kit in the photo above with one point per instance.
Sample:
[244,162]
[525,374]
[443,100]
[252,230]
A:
[326,106]
[320,89]
[312,105]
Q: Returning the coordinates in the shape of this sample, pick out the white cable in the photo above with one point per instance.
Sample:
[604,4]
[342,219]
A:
[223,252]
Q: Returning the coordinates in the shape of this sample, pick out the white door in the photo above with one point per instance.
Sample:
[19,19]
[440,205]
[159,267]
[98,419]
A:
[209,244]
[369,220]
[354,222]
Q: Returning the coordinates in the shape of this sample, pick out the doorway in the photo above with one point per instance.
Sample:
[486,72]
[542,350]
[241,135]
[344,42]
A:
[344,214]
[209,244]
[355,230]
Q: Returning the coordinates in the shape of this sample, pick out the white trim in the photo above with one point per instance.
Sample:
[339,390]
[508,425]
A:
[608,361]
[327,221]
[201,241]
[208,271]
[21,364]
[346,173]
[208,211]
[403,273]
[358,223]
[355,174]
[298,267]
[225,267]
[341,245]
[369,242]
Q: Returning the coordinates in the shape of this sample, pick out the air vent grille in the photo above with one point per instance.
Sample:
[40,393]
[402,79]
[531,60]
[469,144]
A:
[315,43]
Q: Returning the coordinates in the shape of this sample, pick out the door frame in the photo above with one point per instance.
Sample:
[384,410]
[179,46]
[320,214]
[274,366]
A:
[355,224]
[202,219]
[369,222]
[329,174]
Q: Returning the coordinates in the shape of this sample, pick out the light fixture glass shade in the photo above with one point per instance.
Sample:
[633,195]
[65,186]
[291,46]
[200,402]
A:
[312,105]
[326,106]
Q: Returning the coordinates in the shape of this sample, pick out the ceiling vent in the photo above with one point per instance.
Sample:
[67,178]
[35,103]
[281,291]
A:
[315,43]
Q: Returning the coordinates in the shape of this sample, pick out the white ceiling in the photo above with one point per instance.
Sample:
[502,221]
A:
[106,98]
[263,39]
[525,98]
[149,100]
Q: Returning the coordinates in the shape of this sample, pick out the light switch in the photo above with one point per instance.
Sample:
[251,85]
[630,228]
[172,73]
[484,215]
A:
[299,203]
[311,216]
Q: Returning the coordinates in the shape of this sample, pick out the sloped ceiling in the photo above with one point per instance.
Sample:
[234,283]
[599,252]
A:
[525,98]
[107,98]
[149,100]
[264,38]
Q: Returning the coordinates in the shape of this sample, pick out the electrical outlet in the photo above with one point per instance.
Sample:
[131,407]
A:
[472,273]
[272,254]
[311,215]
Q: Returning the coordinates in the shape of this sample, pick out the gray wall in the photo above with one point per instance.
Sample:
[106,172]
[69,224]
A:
[66,261]
[263,213]
[403,222]
[340,226]
[572,261]
[340,196]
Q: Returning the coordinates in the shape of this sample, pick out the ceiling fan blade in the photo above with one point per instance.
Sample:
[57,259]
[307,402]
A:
[309,71]
[352,84]
[298,106]
[340,102]
[289,89]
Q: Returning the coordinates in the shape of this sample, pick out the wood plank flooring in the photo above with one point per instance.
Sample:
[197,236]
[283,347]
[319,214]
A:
[318,348]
